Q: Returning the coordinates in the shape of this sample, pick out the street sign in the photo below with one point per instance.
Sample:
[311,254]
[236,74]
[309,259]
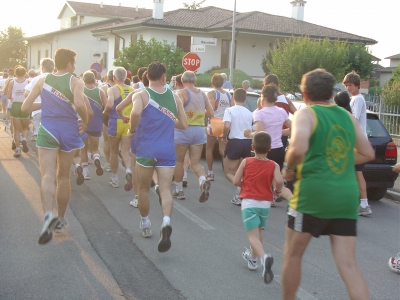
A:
[204,41]
[97,55]
[96,66]
[197,48]
[191,61]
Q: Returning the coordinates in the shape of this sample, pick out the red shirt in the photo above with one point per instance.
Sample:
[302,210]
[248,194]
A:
[257,179]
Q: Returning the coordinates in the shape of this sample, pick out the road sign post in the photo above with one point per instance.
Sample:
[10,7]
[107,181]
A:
[191,61]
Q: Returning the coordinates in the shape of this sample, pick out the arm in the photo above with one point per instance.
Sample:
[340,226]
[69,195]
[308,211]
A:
[286,132]
[29,103]
[237,179]
[88,108]
[181,122]
[211,98]
[110,100]
[209,109]
[363,151]
[128,100]
[103,98]
[259,127]
[77,87]
[136,113]
[292,108]
[303,123]
[8,88]
[278,179]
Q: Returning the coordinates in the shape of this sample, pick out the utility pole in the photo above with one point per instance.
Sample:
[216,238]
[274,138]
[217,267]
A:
[232,46]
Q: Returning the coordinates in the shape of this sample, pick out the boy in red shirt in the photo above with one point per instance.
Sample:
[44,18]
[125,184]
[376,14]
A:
[256,175]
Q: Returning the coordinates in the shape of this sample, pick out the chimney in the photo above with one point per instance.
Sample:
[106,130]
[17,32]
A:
[101,4]
[158,10]
[298,9]
[137,8]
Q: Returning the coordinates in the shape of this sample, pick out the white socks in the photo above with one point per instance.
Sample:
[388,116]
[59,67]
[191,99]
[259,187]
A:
[179,186]
[363,203]
[166,220]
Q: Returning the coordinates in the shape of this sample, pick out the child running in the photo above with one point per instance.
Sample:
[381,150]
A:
[255,175]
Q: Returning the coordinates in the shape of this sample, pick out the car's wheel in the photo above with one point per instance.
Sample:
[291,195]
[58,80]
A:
[376,194]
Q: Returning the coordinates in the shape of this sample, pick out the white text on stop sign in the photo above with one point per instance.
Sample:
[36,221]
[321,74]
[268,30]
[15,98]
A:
[191,62]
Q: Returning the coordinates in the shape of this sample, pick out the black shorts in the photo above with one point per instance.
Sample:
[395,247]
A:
[360,167]
[236,149]
[277,155]
[315,226]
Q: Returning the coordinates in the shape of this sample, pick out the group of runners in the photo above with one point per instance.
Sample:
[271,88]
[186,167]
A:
[159,130]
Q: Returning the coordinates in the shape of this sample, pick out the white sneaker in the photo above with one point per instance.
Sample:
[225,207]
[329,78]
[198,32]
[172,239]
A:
[107,167]
[114,182]
[49,224]
[394,263]
[134,202]
[251,262]
[267,273]
[86,174]
[146,231]
[236,200]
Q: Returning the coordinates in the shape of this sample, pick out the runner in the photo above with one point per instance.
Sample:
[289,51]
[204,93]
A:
[197,107]
[106,145]
[117,129]
[58,136]
[325,144]
[3,96]
[220,100]
[156,112]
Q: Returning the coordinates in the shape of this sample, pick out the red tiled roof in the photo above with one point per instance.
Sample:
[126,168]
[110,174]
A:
[94,9]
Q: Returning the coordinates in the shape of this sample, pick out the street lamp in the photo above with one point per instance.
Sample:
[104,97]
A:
[232,46]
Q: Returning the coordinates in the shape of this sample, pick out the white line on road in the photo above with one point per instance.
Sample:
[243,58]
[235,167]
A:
[301,294]
[193,217]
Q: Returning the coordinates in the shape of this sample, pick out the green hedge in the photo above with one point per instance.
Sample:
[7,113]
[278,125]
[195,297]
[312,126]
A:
[204,80]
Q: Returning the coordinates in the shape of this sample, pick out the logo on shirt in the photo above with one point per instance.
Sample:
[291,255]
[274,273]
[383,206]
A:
[338,146]
[167,113]
[59,94]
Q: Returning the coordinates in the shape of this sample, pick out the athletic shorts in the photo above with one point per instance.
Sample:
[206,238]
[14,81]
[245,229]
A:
[194,135]
[94,133]
[17,113]
[254,217]
[238,148]
[277,155]
[63,135]
[316,226]
[117,128]
[84,136]
[360,167]
[154,162]
[4,98]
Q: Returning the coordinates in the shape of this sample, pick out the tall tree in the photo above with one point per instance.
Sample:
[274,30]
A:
[142,53]
[12,48]
[359,59]
[194,5]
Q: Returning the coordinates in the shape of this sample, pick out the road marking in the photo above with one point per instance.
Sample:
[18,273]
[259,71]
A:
[193,217]
[301,294]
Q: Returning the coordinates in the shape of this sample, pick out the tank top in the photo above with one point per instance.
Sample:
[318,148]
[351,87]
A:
[57,98]
[326,185]
[222,102]
[96,124]
[123,93]
[155,132]
[257,179]
[18,89]
[195,107]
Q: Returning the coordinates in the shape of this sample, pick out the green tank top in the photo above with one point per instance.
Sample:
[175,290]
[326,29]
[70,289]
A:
[165,100]
[61,83]
[326,185]
[94,94]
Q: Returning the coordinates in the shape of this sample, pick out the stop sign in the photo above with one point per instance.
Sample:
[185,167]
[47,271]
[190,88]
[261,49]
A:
[191,61]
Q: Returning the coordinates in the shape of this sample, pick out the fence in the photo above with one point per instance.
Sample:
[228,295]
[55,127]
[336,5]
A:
[388,114]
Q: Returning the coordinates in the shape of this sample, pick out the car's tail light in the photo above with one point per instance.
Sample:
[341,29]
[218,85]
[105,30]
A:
[391,150]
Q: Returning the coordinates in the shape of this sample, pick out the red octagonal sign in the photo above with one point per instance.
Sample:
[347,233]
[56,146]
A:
[191,61]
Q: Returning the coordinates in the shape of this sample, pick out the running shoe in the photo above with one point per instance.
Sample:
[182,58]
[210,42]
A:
[165,243]
[178,195]
[184,182]
[146,231]
[210,177]
[364,211]
[273,203]
[86,174]
[134,202]
[107,167]
[236,200]
[60,227]
[251,262]
[79,175]
[99,169]
[267,273]
[114,182]
[13,146]
[128,182]
[49,223]
[157,189]
[24,146]
[17,152]
[394,263]
[33,137]
[204,188]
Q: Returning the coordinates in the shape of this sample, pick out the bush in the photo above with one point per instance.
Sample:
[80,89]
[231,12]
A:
[204,80]
[375,90]
[391,93]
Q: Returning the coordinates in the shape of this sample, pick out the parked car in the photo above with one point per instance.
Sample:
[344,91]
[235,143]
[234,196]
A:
[378,173]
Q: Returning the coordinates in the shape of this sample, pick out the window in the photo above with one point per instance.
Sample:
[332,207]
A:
[116,47]
[183,42]
[47,53]
[38,57]
[225,53]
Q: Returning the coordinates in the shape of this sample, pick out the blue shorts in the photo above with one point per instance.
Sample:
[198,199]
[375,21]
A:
[63,135]
[94,133]
[237,148]
[84,136]
[4,98]
[194,135]
[154,162]
[117,128]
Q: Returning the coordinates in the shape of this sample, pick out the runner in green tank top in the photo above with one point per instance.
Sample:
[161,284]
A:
[326,143]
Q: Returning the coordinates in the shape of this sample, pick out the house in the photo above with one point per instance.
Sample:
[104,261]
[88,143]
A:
[77,19]
[386,73]
[208,29]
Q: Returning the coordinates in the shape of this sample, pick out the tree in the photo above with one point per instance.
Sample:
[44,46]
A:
[194,5]
[391,90]
[358,58]
[12,48]
[141,54]
[297,56]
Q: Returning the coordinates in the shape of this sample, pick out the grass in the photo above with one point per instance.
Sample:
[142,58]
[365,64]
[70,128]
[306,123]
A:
[204,80]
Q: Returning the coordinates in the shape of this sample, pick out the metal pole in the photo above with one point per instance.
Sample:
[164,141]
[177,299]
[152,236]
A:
[232,46]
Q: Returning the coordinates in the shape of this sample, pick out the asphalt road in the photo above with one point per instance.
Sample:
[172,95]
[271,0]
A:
[102,255]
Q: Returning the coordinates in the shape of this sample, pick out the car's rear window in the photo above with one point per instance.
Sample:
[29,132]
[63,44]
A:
[251,102]
[375,128]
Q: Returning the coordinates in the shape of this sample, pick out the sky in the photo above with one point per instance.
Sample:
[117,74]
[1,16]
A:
[373,19]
